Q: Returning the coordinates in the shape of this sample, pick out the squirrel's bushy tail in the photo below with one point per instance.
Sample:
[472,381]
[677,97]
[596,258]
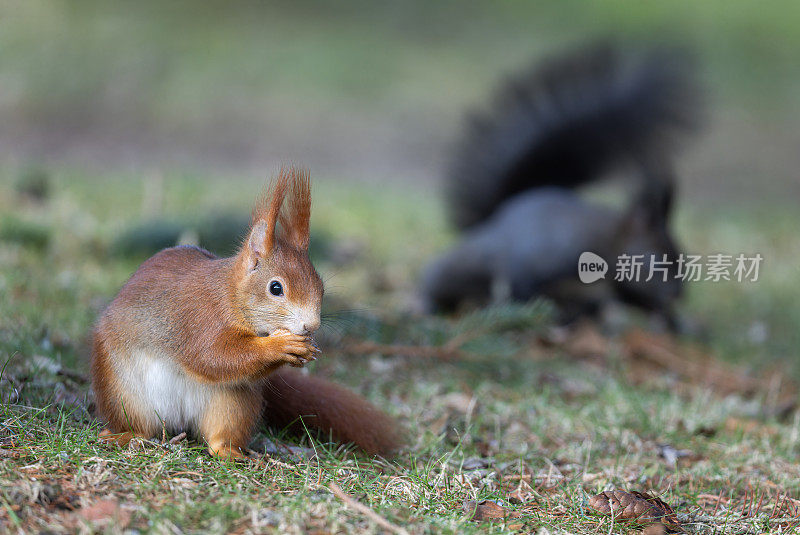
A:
[568,121]
[329,408]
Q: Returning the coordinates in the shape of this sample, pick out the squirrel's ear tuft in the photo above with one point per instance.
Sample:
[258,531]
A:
[293,215]
[297,212]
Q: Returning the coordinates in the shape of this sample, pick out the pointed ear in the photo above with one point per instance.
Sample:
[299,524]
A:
[652,208]
[297,212]
[264,220]
[257,246]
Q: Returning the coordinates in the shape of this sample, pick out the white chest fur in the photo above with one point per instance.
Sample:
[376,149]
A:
[163,393]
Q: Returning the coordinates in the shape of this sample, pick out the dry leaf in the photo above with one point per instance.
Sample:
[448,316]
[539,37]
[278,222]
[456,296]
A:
[459,403]
[517,497]
[749,426]
[655,529]
[586,342]
[488,510]
[105,511]
[634,506]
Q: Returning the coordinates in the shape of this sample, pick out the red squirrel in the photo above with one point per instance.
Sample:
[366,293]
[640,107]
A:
[194,342]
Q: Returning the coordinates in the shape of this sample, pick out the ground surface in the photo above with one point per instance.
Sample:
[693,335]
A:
[500,406]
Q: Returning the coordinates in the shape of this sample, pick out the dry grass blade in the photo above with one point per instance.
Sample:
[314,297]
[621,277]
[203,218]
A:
[364,510]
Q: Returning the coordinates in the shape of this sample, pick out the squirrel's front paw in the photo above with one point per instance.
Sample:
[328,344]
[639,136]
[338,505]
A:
[294,349]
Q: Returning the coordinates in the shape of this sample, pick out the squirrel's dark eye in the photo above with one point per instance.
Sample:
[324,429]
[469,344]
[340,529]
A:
[276,288]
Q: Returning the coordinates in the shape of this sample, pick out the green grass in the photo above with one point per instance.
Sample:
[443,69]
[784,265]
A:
[511,415]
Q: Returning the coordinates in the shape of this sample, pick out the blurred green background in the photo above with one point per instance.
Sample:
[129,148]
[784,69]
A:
[124,112]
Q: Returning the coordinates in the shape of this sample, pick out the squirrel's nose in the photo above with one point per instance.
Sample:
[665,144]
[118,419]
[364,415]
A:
[311,326]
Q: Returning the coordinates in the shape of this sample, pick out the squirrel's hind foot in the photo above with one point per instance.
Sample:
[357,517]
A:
[120,439]
[227,452]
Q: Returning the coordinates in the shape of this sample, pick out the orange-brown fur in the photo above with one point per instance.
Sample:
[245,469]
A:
[190,338]
[298,401]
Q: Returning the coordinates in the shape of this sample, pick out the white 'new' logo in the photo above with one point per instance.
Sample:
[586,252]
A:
[591,267]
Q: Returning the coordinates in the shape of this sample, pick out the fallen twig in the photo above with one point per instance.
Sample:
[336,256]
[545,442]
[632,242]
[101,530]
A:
[364,510]
[697,366]
[177,438]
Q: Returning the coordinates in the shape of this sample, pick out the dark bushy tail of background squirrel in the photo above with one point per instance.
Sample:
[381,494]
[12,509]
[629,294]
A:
[568,121]
[297,401]
[512,188]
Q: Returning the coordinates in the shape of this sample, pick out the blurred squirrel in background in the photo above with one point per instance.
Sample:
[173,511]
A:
[511,190]
[194,342]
